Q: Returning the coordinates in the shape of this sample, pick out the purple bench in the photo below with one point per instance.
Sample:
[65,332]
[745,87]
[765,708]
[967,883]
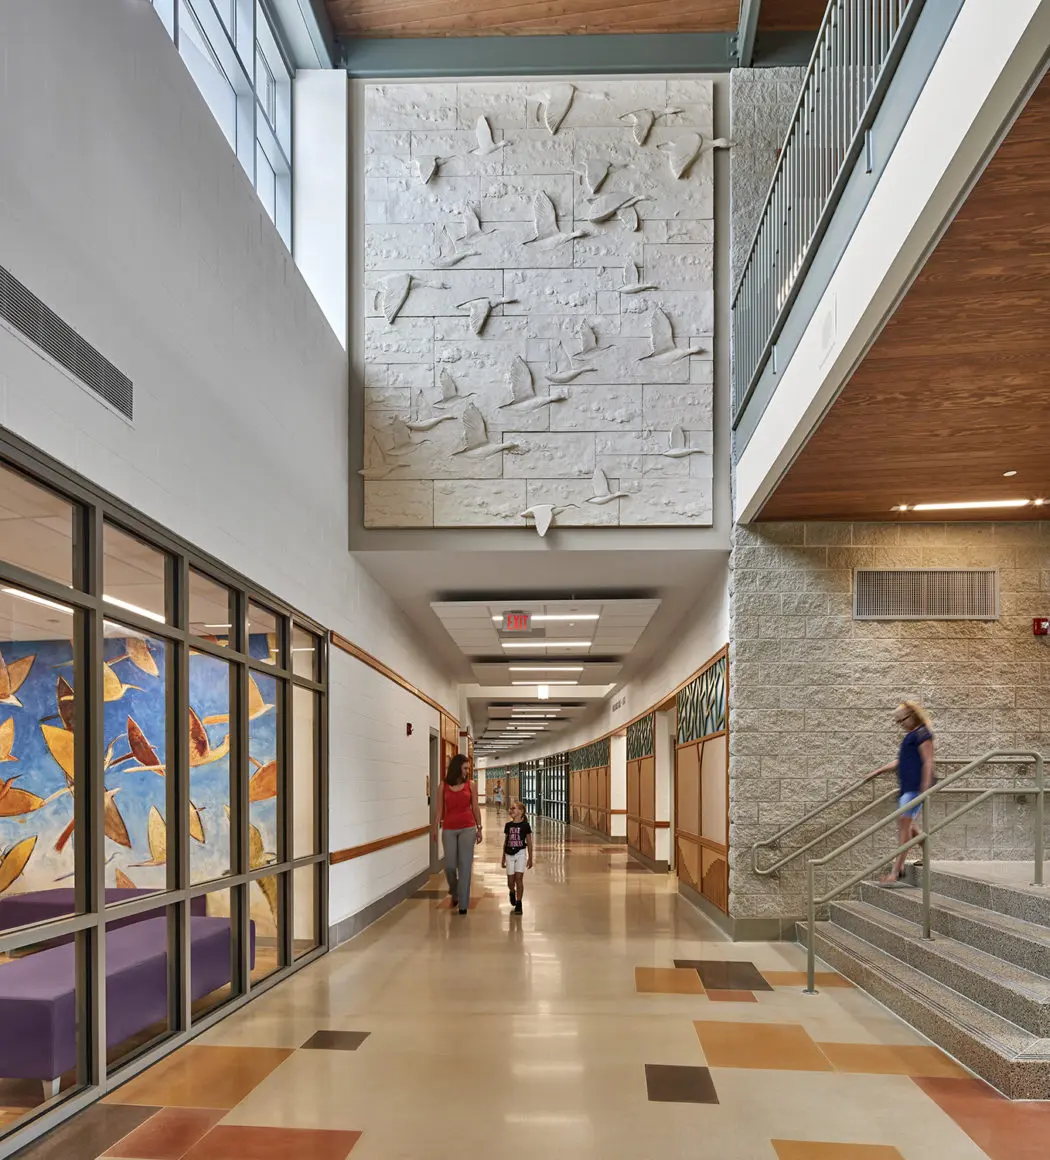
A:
[38,1005]
[37,906]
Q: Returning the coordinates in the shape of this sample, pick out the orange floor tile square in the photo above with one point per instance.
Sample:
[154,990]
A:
[732,996]
[202,1077]
[1003,1129]
[667,981]
[229,1142]
[810,1150]
[773,1046]
[168,1135]
[798,979]
[887,1059]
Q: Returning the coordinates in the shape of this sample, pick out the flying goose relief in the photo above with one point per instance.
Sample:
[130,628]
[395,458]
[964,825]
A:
[450,392]
[683,152]
[547,234]
[487,144]
[678,446]
[565,369]
[642,121]
[603,493]
[449,254]
[475,443]
[663,350]
[555,104]
[544,515]
[393,294]
[523,389]
[481,309]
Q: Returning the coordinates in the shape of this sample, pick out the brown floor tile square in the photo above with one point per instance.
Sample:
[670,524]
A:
[229,1142]
[717,996]
[1005,1130]
[88,1134]
[798,979]
[719,975]
[887,1059]
[335,1040]
[202,1077]
[667,981]
[774,1046]
[675,1084]
[168,1135]
[809,1150]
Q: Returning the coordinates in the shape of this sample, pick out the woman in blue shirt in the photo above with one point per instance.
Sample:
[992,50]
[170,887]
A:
[914,766]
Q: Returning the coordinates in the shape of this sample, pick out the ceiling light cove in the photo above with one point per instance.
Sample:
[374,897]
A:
[546,668]
[967,505]
[545,643]
[545,683]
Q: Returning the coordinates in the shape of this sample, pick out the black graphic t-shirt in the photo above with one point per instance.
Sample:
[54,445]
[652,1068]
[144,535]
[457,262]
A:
[514,835]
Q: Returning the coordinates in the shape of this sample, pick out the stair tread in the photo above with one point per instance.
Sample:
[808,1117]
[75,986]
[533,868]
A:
[1016,978]
[1016,927]
[1008,1040]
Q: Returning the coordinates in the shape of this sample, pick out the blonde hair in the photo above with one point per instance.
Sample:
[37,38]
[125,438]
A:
[915,710]
[520,806]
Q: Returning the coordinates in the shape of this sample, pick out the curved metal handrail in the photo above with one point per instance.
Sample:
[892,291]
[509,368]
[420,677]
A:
[923,840]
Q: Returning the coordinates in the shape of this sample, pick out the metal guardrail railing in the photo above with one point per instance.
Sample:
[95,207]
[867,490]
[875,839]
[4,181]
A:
[923,839]
[858,48]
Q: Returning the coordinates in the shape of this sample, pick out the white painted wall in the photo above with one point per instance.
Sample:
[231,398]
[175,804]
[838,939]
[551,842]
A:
[124,209]
[618,785]
[664,741]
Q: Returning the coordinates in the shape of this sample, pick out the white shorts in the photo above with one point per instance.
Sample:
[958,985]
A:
[516,863]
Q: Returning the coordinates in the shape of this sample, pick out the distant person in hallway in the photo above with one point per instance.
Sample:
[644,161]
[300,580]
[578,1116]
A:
[459,819]
[499,799]
[914,766]
[517,853]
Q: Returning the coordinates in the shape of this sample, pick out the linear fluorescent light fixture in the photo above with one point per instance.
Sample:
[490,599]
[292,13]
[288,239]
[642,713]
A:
[969,505]
[128,607]
[546,643]
[545,668]
[42,601]
[543,618]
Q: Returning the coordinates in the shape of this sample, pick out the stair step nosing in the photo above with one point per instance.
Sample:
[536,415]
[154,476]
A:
[1039,937]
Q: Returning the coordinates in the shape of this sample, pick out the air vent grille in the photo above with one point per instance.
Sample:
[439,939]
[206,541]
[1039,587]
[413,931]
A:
[41,325]
[926,594]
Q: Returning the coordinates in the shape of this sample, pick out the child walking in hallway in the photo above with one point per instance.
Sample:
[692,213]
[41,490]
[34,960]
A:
[517,853]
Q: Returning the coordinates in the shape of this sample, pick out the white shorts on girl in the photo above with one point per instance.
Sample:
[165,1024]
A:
[516,863]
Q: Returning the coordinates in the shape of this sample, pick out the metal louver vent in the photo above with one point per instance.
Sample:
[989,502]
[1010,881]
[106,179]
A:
[926,594]
[42,326]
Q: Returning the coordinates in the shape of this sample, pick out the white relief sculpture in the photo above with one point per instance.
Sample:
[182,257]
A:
[430,421]
[393,294]
[642,121]
[608,205]
[683,152]
[628,217]
[547,234]
[523,389]
[426,168]
[450,392]
[472,227]
[555,104]
[487,144]
[383,463]
[589,341]
[481,308]
[678,447]
[632,282]
[476,443]
[564,368]
[449,254]
[603,493]
[544,514]
[401,441]
[663,350]
[594,174]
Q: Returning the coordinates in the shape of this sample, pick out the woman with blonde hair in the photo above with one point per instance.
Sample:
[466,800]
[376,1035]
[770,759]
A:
[914,766]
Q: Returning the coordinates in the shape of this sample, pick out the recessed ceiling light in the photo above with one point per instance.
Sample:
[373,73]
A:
[545,683]
[128,607]
[549,643]
[546,668]
[1009,474]
[970,505]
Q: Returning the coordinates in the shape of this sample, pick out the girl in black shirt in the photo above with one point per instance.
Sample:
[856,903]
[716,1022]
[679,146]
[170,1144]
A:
[517,853]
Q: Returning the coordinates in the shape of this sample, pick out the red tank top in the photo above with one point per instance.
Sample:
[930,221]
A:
[459,815]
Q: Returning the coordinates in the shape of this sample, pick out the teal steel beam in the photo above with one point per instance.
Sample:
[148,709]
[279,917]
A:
[307,33]
[747,30]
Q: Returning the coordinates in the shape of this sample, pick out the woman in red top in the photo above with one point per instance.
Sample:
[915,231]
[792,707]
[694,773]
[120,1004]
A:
[459,818]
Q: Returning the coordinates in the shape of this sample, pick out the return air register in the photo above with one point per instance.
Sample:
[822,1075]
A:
[21,308]
[925,594]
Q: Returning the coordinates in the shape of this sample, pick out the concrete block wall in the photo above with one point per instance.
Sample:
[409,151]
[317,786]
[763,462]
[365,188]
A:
[812,691]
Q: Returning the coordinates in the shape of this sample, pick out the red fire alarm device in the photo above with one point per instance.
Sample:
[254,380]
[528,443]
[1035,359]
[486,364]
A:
[408,729]
[517,622]
[1041,626]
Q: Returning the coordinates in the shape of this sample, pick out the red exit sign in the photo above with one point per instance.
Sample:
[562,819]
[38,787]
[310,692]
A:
[517,621]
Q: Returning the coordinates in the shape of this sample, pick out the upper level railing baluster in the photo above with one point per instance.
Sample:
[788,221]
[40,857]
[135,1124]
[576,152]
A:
[856,54]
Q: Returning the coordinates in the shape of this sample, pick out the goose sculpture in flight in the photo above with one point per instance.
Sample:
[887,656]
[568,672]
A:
[547,233]
[476,443]
[487,144]
[642,121]
[603,493]
[481,309]
[663,350]
[544,515]
[394,292]
[678,446]
[523,389]
[450,392]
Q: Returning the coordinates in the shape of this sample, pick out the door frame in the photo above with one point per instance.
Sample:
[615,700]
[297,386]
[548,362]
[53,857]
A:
[433,790]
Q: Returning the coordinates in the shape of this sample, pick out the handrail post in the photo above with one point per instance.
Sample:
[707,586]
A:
[926,923]
[811,917]
[1040,809]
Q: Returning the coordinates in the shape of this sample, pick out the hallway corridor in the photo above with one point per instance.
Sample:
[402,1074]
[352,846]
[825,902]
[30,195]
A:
[566,1033]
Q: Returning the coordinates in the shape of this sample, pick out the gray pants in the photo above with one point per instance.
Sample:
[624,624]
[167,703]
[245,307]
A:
[459,862]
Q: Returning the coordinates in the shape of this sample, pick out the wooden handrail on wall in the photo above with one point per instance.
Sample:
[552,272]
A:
[351,649]
[337,856]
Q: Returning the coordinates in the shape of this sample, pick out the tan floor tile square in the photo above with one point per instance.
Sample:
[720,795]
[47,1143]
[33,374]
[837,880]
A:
[776,1046]
[732,996]
[667,981]
[885,1059]
[798,979]
[809,1150]
[202,1077]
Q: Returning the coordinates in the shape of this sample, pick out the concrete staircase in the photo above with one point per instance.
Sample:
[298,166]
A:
[980,989]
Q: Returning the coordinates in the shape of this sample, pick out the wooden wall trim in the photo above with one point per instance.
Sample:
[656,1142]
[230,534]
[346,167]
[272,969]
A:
[618,813]
[337,856]
[644,821]
[358,653]
[699,840]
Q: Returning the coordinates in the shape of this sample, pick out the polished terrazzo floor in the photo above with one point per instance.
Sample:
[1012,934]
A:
[609,1021]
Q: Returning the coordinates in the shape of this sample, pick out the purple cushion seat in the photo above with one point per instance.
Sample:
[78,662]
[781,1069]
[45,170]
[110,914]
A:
[37,993]
[35,906]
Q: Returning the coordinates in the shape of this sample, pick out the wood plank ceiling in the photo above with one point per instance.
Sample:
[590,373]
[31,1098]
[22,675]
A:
[956,389]
[538,17]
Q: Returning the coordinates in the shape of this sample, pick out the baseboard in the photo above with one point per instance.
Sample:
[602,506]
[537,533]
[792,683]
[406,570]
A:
[657,867]
[740,929]
[346,928]
[596,833]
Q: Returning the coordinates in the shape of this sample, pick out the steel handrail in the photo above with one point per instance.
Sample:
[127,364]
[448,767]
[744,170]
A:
[923,840]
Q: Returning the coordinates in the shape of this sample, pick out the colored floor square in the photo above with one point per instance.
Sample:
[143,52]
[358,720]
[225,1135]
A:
[809,1150]
[772,1046]
[229,1142]
[202,1077]
[168,1135]
[720,975]
[798,979]
[1003,1129]
[89,1134]
[717,996]
[672,1084]
[666,981]
[335,1040]
[887,1059]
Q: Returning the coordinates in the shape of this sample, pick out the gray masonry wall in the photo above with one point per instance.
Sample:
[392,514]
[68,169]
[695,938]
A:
[761,104]
[812,691]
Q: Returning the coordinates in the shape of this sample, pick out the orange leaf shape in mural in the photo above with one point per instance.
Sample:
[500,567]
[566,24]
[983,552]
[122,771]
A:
[124,882]
[12,678]
[14,862]
[157,835]
[7,740]
[196,825]
[14,802]
[141,750]
[60,744]
[141,657]
[263,783]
